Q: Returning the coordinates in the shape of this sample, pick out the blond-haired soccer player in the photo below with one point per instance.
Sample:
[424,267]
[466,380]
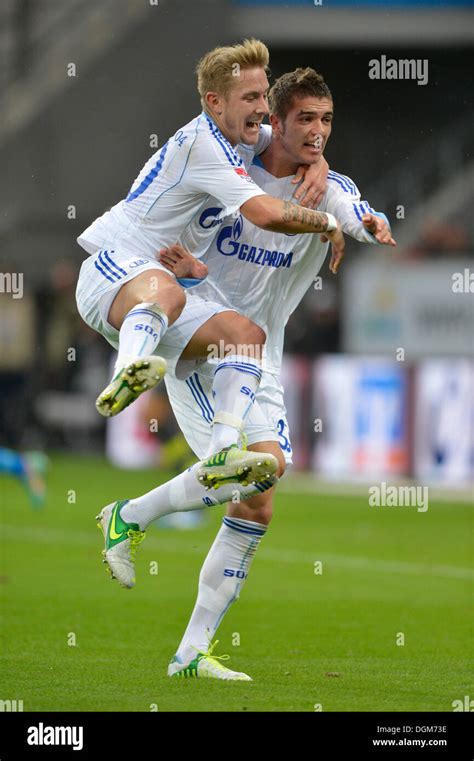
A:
[183,194]
[264,275]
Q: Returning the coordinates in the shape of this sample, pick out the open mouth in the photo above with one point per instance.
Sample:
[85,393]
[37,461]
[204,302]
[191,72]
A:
[316,143]
[251,124]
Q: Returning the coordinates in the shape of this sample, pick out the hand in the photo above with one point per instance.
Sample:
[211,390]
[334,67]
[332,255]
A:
[311,191]
[181,262]
[379,229]
[338,248]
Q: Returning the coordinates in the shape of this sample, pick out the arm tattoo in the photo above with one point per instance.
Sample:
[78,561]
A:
[316,219]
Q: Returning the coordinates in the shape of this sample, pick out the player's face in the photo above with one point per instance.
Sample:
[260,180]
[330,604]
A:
[306,129]
[245,106]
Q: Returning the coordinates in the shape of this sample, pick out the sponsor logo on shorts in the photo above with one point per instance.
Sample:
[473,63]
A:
[137,263]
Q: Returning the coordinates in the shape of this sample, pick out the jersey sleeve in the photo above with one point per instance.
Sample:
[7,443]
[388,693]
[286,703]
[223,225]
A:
[345,202]
[214,167]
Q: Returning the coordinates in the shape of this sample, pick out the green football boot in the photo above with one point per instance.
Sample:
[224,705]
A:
[206,666]
[133,379]
[236,465]
[121,543]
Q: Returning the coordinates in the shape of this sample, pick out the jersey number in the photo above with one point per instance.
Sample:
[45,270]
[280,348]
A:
[285,443]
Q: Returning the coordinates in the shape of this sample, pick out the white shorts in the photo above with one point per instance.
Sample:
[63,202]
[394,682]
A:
[191,400]
[100,279]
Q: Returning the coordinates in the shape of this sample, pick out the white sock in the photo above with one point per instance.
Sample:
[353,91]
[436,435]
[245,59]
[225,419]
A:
[183,493]
[224,572]
[235,384]
[141,331]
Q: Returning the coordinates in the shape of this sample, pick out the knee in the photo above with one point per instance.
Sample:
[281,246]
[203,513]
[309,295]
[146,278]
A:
[263,514]
[255,335]
[261,508]
[281,464]
[152,287]
[171,298]
[248,333]
[258,508]
[173,293]
[178,301]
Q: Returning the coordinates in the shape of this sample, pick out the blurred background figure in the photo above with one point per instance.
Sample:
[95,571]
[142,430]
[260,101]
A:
[29,469]
[381,356]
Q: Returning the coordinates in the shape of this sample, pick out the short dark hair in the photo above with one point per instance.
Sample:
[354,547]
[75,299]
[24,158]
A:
[300,83]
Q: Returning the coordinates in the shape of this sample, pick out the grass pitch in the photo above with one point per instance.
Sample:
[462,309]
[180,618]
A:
[329,640]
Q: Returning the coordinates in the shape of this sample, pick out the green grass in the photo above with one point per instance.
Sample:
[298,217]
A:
[306,639]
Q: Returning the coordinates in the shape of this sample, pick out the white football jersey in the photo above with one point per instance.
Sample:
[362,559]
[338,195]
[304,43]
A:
[196,169]
[264,275]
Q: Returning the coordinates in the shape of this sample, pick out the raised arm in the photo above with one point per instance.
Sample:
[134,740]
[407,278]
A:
[356,216]
[378,226]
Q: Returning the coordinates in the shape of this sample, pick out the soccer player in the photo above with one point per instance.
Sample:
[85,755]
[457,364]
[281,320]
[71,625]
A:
[264,275]
[131,299]
[29,469]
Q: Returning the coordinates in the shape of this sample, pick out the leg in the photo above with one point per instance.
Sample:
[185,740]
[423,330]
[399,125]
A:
[150,287]
[239,344]
[226,333]
[123,522]
[142,311]
[225,569]
[184,492]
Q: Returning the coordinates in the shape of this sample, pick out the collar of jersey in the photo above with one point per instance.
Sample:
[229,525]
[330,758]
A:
[219,133]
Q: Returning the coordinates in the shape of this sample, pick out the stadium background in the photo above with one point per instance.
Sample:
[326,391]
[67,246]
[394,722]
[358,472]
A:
[382,355]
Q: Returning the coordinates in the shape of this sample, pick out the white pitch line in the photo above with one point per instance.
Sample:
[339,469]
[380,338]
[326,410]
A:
[368,564]
[305,483]
[162,544]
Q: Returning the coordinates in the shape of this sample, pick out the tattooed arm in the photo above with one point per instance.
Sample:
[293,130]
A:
[318,220]
[285,217]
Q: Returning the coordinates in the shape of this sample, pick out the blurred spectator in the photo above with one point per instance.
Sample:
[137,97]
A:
[64,332]
[440,239]
[314,327]
[17,357]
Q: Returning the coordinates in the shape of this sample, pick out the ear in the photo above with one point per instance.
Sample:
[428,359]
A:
[276,124]
[213,102]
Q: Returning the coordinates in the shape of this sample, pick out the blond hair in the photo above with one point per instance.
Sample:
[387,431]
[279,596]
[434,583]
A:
[217,70]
